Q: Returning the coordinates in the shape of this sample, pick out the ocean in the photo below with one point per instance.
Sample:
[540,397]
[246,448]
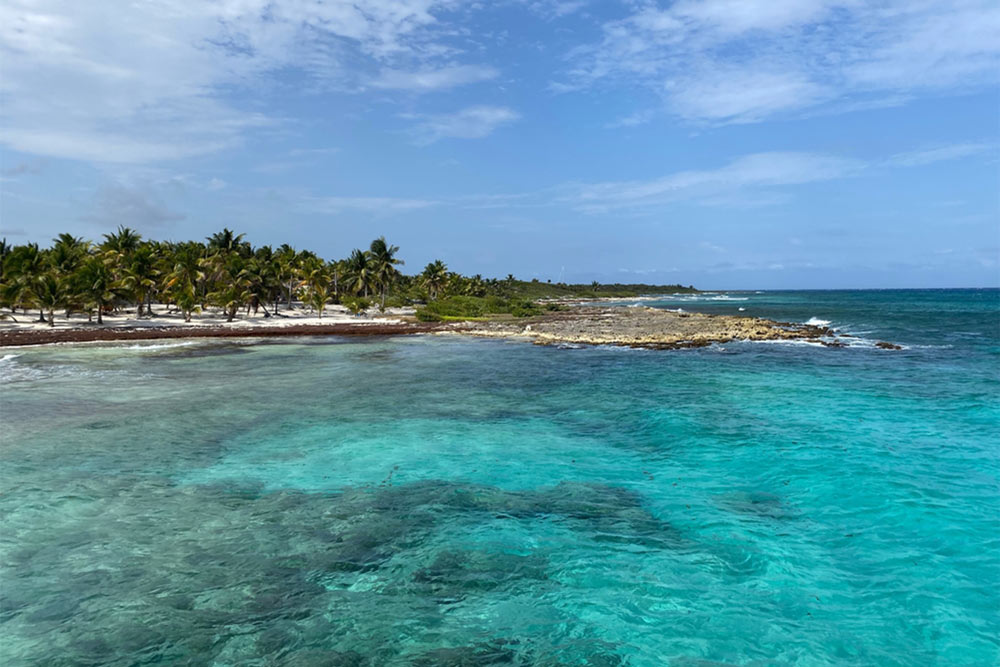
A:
[441,500]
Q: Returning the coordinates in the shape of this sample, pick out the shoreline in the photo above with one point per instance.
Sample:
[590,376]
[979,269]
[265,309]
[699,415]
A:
[650,328]
[113,334]
[637,327]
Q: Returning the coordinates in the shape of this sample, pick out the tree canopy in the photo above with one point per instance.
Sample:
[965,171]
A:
[126,273]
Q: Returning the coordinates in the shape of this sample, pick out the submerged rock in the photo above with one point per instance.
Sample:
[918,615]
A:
[755,504]
[495,652]
[455,573]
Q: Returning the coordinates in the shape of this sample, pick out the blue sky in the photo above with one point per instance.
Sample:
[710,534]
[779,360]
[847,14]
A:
[724,143]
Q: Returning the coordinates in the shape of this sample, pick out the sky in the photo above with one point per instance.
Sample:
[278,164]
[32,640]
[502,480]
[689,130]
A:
[729,144]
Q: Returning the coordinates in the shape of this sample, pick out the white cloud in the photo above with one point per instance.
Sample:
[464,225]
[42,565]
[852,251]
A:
[134,206]
[631,120]
[557,8]
[331,205]
[746,60]
[938,154]
[756,171]
[148,81]
[433,79]
[743,95]
[470,123]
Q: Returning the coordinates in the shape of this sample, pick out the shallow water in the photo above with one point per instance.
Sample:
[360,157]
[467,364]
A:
[430,500]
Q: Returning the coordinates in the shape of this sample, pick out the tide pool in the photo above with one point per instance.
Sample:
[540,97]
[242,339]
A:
[444,500]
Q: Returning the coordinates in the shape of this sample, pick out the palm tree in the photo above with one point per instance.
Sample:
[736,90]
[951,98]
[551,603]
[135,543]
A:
[139,277]
[232,281]
[96,285]
[474,286]
[4,251]
[123,242]
[287,270]
[262,272]
[227,242]
[23,266]
[182,279]
[318,296]
[383,258]
[50,293]
[230,296]
[186,298]
[435,277]
[359,272]
[67,254]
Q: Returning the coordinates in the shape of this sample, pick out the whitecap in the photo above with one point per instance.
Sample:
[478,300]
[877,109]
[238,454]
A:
[817,322]
[9,357]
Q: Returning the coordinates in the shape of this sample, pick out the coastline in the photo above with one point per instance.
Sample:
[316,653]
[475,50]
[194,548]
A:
[112,334]
[652,328]
[638,327]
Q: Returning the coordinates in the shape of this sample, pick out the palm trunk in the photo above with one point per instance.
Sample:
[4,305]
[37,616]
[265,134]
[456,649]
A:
[100,319]
[52,317]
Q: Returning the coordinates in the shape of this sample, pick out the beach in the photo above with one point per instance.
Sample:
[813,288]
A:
[166,324]
[582,323]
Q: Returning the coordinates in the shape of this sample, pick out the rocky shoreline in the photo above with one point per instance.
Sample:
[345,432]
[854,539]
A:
[650,328]
[579,325]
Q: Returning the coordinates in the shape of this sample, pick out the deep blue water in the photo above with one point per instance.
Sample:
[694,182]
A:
[443,500]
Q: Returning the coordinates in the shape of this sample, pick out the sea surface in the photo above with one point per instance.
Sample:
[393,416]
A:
[452,501]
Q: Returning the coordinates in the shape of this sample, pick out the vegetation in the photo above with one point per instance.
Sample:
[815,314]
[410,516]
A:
[128,274]
[473,307]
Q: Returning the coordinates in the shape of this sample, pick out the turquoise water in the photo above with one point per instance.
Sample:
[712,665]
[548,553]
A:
[452,501]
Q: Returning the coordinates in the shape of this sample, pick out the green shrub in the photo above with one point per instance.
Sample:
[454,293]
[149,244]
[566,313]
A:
[356,305]
[474,307]
[523,308]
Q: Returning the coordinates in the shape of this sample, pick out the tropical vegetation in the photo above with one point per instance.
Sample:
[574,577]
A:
[126,274]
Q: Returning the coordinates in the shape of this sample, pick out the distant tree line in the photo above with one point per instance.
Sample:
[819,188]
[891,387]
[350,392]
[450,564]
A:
[127,272]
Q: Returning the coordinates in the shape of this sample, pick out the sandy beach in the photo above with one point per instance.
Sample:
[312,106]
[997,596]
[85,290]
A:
[212,323]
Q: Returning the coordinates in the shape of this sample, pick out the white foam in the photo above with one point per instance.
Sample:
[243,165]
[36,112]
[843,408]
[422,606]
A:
[156,346]
[867,343]
[817,322]
[742,309]
[9,357]
[787,341]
